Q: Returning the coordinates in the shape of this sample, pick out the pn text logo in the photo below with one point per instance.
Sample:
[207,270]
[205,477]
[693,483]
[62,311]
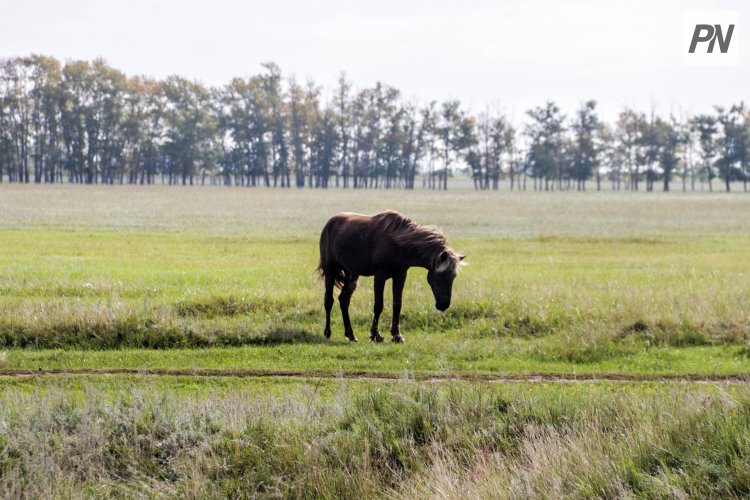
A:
[711,34]
[711,38]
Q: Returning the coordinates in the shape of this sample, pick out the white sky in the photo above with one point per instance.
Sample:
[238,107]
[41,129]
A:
[514,54]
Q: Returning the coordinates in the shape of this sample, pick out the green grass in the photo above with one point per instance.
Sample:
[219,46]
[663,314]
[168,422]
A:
[534,304]
[462,359]
[656,303]
[221,280]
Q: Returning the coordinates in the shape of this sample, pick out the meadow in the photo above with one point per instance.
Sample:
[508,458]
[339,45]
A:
[168,341]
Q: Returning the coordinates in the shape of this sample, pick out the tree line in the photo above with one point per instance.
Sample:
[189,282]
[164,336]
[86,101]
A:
[87,122]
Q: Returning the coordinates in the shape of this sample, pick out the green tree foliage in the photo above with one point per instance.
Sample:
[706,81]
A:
[87,122]
[190,132]
[630,125]
[669,139]
[456,134]
[706,128]
[586,148]
[733,144]
[547,155]
[491,151]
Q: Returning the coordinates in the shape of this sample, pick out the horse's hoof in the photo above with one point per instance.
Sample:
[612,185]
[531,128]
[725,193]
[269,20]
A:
[398,339]
[351,336]
[327,334]
[376,337]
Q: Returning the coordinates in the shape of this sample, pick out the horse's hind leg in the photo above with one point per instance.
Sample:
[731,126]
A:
[378,308]
[344,298]
[328,303]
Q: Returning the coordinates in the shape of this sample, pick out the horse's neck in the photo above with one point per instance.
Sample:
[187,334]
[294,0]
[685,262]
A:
[418,256]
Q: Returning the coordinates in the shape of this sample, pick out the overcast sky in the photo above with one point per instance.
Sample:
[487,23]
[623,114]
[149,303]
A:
[513,54]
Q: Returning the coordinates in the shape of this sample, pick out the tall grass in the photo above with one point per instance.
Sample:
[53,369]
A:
[401,440]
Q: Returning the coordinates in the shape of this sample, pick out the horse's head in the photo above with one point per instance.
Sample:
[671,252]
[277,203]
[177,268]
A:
[441,275]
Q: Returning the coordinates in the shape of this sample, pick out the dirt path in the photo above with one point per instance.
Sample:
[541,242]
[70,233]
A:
[374,376]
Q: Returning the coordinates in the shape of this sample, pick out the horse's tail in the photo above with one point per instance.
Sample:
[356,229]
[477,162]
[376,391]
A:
[338,275]
[325,264]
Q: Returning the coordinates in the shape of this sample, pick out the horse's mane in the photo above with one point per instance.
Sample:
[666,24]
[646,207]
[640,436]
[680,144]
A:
[427,240]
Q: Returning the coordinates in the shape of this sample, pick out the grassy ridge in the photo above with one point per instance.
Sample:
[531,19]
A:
[120,437]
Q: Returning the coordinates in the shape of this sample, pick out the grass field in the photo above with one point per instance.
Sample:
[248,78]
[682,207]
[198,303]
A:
[217,281]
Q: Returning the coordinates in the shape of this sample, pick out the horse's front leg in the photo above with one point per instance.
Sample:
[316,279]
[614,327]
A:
[398,287]
[377,308]
[344,298]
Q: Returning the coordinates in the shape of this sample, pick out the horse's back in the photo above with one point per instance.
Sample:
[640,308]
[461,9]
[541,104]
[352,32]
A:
[347,242]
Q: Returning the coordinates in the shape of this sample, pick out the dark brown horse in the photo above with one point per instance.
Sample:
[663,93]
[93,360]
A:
[384,246]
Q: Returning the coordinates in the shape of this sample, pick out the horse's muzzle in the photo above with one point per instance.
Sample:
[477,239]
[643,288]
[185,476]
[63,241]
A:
[442,306]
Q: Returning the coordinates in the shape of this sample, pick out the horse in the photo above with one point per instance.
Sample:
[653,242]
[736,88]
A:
[384,246]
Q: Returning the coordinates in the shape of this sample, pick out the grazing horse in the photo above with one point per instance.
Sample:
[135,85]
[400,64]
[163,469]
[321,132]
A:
[384,246]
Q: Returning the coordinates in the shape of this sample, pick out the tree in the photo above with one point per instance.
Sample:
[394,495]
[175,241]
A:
[87,122]
[16,86]
[733,143]
[687,140]
[416,142]
[272,104]
[388,134]
[669,140]
[106,124]
[546,156]
[299,124]
[630,126]
[429,122]
[586,148]
[508,140]
[365,132]
[45,117]
[706,128]
[324,147]
[649,148]
[456,133]
[144,129]
[485,160]
[190,131]
[343,121]
[75,92]
[312,107]
[611,157]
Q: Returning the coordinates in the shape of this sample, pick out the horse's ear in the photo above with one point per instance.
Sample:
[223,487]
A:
[443,262]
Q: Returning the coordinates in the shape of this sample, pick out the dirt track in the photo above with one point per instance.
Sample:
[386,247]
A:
[370,376]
